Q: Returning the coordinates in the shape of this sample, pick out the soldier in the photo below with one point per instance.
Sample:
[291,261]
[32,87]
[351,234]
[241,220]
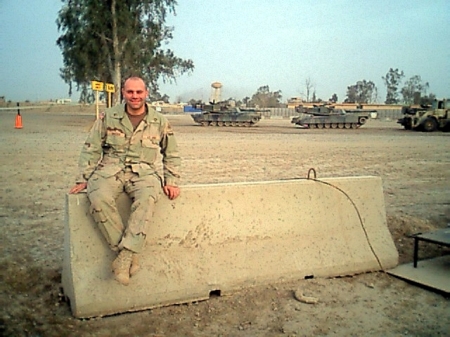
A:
[120,155]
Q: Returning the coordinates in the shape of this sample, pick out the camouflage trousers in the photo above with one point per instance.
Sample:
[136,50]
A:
[143,192]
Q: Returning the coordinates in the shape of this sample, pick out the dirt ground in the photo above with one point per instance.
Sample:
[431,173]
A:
[38,166]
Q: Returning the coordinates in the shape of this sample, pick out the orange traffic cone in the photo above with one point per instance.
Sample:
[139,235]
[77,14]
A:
[19,121]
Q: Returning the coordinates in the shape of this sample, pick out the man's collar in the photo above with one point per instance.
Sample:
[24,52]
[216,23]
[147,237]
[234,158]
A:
[125,109]
[121,113]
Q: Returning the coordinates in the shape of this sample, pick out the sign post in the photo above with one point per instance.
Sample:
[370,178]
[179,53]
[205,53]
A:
[97,86]
[100,86]
[110,90]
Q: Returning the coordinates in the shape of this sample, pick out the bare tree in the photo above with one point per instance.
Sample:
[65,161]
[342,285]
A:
[309,86]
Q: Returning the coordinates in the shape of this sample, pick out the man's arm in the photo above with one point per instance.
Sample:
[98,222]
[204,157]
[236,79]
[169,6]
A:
[91,153]
[171,162]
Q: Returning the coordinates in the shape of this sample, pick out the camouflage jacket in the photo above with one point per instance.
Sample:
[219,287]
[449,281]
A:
[112,145]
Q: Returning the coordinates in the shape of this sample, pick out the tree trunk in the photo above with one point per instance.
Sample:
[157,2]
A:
[116,76]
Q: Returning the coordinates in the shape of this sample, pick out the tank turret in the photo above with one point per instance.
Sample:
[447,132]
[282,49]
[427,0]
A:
[225,114]
[328,117]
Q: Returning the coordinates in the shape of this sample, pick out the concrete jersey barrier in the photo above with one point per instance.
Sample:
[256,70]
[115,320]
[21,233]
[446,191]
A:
[224,237]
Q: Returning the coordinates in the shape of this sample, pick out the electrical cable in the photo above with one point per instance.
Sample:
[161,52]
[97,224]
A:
[312,170]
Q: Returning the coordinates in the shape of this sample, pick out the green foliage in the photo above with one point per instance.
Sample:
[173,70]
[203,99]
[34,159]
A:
[362,92]
[164,98]
[194,102]
[113,39]
[264,98]
[246,101]
[427,99]
[334,98]
[412,86]
[238,103]
[316,99]
[392,81]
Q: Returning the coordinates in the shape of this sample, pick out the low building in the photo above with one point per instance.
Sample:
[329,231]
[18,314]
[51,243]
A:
[63,101]
[294,101]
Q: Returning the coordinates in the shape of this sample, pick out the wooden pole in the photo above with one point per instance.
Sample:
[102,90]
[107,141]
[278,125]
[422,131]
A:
[96,104]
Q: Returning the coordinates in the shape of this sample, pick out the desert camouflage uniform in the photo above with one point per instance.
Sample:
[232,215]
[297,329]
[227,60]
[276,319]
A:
[116,158]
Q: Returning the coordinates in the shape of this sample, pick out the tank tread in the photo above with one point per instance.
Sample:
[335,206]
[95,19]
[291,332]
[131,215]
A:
[353,122]
[228,124]
[333,125]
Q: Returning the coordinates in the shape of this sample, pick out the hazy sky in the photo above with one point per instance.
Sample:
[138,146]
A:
[246,44]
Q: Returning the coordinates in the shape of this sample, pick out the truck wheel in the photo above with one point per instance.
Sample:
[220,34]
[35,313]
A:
[429,125]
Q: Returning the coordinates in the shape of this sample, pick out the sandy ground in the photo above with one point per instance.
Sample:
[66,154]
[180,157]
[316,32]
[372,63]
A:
[39,166]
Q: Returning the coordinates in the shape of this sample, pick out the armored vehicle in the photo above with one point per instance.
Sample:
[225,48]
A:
[222,114]
[327,117]
[427,118]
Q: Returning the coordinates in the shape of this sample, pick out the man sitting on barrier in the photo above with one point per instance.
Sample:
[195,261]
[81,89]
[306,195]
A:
[120,155]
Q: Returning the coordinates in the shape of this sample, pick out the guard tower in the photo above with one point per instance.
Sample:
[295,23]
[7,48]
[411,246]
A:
[216,92]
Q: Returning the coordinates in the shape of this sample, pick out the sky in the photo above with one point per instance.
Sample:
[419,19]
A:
[247,44]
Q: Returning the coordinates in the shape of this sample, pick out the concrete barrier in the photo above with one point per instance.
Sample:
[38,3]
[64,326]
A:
[223,237]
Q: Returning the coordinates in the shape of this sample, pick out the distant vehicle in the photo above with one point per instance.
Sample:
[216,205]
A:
[427,118]
[327,117]
[223,114]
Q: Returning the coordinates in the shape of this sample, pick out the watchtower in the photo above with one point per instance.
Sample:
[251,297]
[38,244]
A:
[216,92]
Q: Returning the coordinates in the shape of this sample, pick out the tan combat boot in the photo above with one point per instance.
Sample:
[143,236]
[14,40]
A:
[121,266]
[135,267]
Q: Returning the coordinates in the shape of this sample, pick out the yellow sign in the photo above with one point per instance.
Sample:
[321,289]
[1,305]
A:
[109,87]
[98,86]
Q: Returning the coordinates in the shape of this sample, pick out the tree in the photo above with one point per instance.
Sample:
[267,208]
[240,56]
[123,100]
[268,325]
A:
[110,40]
[164,98]
[412,86]
[334,98]
[309,85]
[351,94]
[238,103]
[362,92]
[392,81]
[265,98]
[315,99]
[194,102]
[427,99]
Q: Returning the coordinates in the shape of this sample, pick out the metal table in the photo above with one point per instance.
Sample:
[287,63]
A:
[439,237]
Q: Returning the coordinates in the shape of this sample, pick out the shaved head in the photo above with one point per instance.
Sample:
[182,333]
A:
[134,78]
[135,93]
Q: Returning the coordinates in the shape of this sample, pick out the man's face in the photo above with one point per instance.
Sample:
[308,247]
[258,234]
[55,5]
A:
[135,93]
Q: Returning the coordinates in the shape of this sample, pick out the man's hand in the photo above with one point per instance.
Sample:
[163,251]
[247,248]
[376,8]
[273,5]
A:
[171,191]
[78,188]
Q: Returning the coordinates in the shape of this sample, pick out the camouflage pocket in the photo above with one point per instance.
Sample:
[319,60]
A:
[97,214]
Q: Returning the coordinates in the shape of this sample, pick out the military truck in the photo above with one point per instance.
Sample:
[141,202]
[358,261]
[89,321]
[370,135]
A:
[328,117]
[427,118]
[224,114]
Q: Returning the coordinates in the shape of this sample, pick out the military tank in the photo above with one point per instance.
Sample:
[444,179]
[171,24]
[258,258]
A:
[224,114]
[327,117]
